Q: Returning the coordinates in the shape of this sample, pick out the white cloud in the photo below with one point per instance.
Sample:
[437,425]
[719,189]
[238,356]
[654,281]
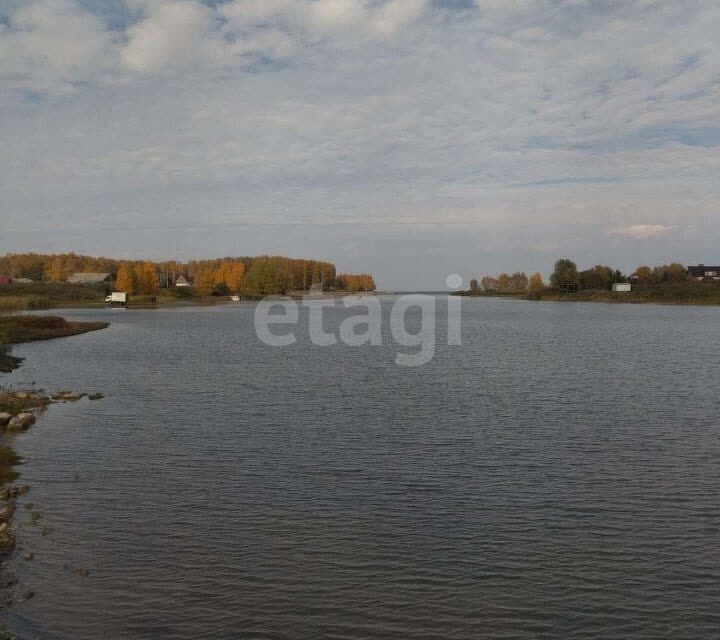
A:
[50,42]
[178,33]
[642,231]
[515,125]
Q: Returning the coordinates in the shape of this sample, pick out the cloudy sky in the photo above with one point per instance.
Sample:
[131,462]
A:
[410,138]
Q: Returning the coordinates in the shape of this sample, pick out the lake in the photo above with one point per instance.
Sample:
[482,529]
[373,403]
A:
[555,476]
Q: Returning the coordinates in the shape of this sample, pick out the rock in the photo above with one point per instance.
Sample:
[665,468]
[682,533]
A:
[27,594]
[21,421]
[81,572]
[96,396]
[5,417]
[28,556]
[71,396]
[22,395]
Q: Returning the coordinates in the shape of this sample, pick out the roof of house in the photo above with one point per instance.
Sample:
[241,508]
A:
[701,269]
[181,280]
[22,280]
[88,278]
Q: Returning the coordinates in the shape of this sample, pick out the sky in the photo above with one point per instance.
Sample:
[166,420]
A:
[408,138]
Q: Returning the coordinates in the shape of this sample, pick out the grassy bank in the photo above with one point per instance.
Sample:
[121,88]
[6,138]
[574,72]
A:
[46,295]
[60,295]
[683,293]
[491,294]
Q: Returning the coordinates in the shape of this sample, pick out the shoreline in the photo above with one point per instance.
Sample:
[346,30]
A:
[19,410]
[606,297]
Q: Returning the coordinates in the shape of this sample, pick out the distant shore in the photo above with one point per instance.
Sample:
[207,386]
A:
[686,293]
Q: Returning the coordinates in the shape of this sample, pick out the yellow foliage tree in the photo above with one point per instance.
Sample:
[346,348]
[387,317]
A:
[148,281]
[235,277]
[54,271]
[125,278]
[536,283]
[204,282]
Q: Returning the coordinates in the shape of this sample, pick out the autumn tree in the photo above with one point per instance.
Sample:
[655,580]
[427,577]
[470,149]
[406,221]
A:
[354,282]
[125,280]
[235,276]
[204,282]
[644,274]
[503,281]
[536,284]
[147,281]
[488,283]
[674,272]
[54,270]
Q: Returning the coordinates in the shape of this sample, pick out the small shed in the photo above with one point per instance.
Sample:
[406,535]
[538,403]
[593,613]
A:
[4,280]
[621,287]
[182,281]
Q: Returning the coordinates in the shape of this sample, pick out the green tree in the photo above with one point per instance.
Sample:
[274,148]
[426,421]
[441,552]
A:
[262,278]
[565,272]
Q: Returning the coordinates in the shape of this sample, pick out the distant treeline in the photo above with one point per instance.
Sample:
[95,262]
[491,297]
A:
[603,277]
[566,272]
[260,275]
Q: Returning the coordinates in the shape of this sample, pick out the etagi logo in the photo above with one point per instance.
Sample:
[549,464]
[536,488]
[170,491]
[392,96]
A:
[412,322]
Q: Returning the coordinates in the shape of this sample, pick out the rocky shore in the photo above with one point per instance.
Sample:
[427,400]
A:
[18,412]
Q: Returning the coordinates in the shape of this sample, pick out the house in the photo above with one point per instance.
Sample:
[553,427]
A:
[701,272]
[22,281]
[621,287]
[4,280]
[89,278]
[182,281]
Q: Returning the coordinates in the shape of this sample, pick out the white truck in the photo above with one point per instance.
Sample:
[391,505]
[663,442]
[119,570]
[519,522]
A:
[117,297]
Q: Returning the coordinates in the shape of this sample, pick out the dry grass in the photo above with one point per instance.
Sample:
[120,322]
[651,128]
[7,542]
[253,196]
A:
[23,303]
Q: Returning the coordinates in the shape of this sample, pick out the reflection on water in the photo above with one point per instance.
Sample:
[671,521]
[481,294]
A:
[554,477]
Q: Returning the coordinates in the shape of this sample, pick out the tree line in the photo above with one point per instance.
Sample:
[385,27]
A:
[261,275]
[508,283]
[603,277]
[566,272]
[355,282]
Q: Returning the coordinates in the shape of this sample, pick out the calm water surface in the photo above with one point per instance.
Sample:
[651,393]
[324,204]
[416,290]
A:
[556,476]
